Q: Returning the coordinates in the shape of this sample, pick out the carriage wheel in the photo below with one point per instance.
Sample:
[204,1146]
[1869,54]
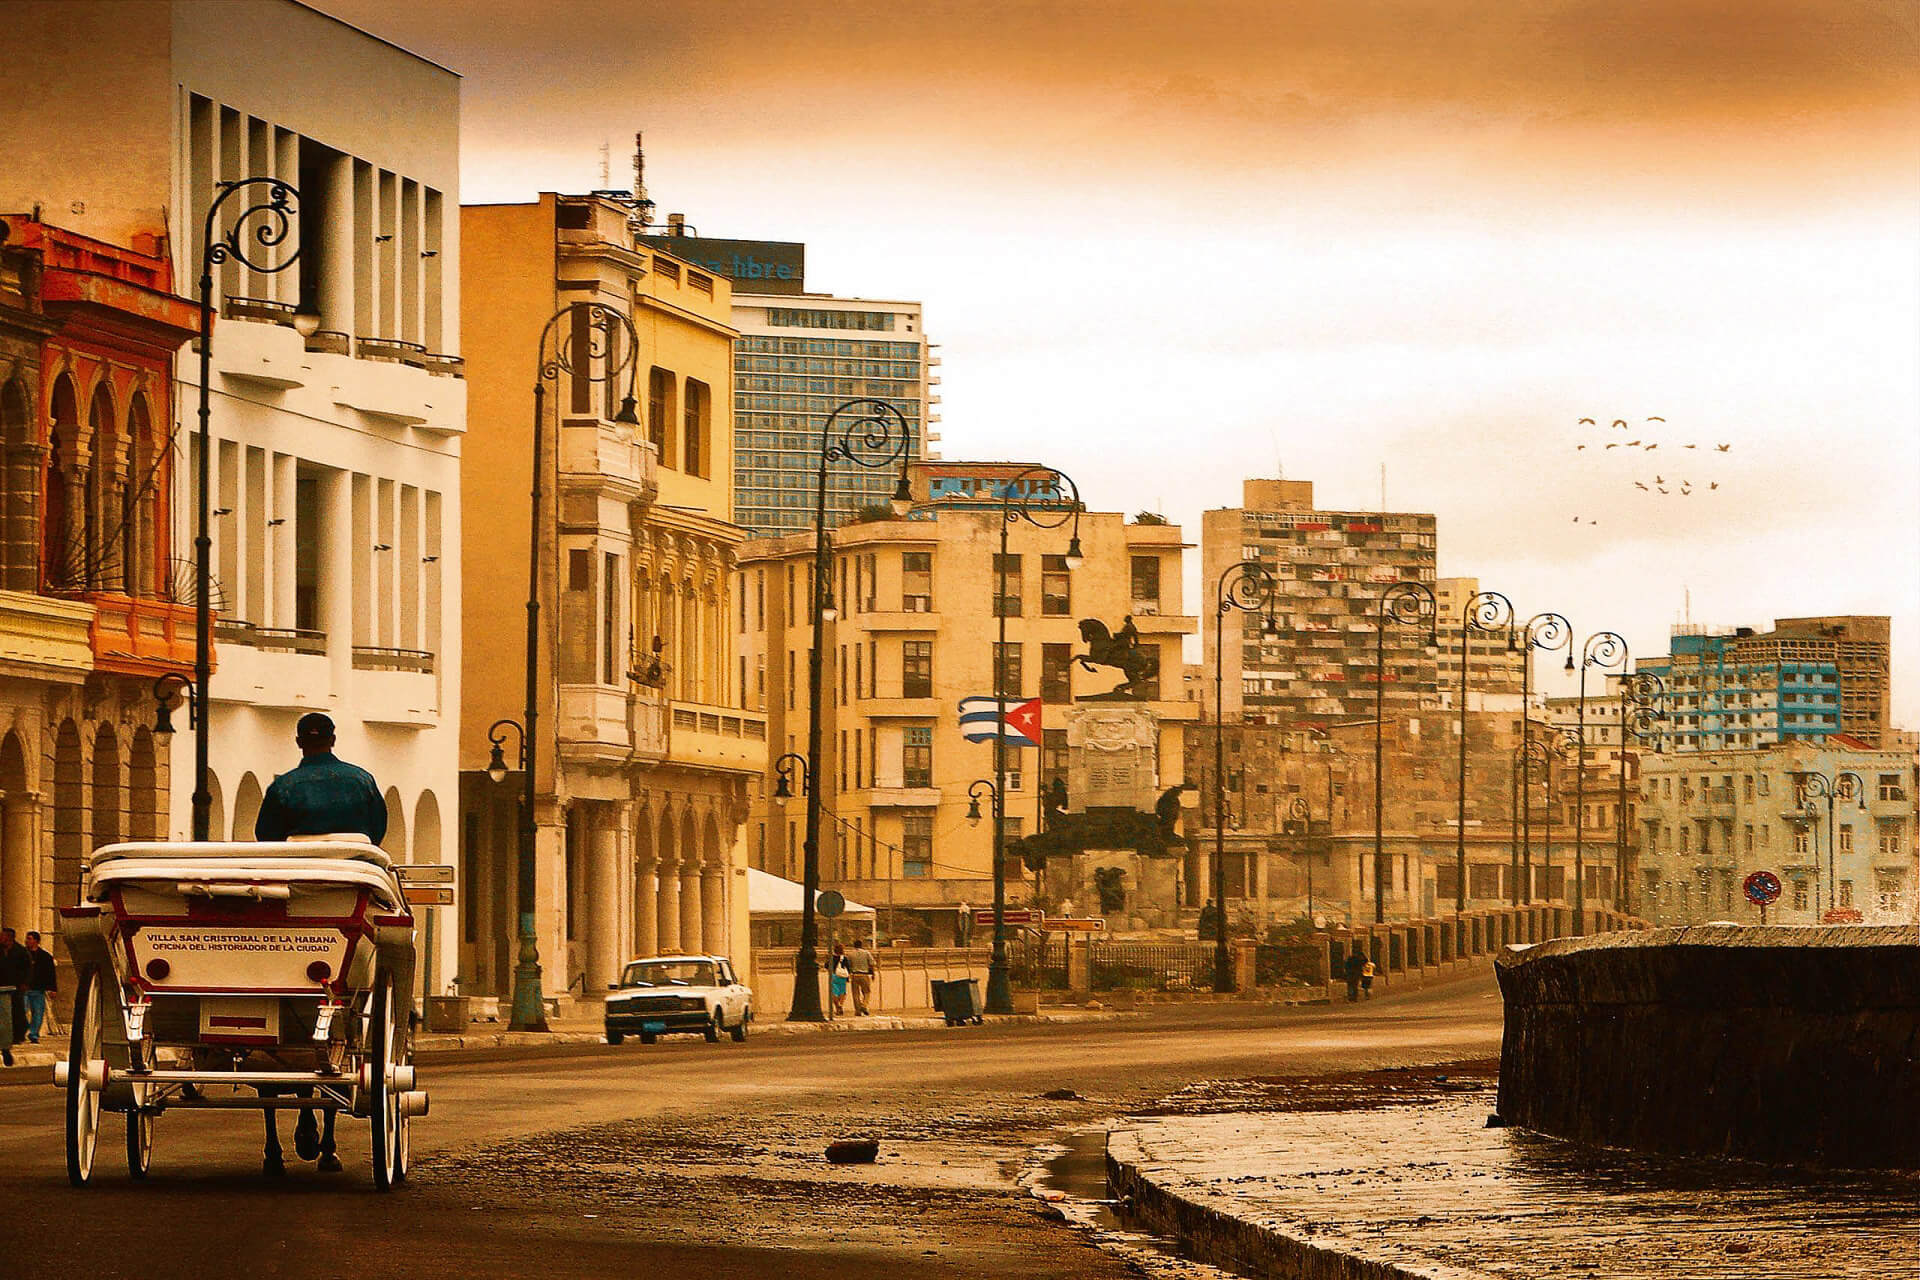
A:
[139,1142]
[83,1098]
[389,1126]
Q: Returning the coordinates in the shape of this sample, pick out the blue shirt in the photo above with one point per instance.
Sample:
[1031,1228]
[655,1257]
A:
[322,795]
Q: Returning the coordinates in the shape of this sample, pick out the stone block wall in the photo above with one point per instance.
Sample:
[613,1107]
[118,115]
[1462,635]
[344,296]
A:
[1794,1045]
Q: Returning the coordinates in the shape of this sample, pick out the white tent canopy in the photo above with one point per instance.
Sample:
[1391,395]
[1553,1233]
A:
[770,897]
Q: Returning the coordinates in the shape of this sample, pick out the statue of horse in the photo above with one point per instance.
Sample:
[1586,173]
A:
[1121,652]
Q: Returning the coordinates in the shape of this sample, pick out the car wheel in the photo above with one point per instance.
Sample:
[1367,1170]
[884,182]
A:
[615,1037]
[739,1033]
[713,1028]
[648,1037]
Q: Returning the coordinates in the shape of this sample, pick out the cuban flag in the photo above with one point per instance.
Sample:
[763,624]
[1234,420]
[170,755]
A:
[1017,723]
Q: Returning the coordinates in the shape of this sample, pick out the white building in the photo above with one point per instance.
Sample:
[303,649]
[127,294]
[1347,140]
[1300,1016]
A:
[337,454]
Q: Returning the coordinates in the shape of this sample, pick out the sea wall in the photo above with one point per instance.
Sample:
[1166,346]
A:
[1795,1045]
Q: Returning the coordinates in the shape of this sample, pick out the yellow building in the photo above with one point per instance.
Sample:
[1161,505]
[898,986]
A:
[914,634]
[643,751]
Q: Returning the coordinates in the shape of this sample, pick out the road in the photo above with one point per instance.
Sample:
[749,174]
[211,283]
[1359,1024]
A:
[593,1161]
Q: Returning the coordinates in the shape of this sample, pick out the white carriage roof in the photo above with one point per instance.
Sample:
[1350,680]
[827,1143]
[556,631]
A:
[314,863]
[220,853]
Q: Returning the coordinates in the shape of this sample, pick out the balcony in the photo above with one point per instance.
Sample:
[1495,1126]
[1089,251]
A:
[903,708]
[391,380]
[273,639]
[375,658]
[723,738]
[1166,624]
[595,723]
[255,341]
[883,620]
[140,637]
[903,797]
[606,457]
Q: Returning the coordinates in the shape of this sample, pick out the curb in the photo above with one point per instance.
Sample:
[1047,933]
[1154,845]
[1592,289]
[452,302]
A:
[1239,1244]
[841,1026]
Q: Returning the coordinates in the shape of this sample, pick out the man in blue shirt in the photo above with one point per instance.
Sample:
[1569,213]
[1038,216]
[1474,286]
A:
[323,795]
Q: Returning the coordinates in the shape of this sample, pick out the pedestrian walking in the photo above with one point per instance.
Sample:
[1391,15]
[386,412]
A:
[860,968]
[1366,980]
[1355,963]
[16,970]
[838,976]
[43,979]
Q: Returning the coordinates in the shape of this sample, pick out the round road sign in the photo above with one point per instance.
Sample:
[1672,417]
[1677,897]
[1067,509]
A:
[830,903]
[1762,888]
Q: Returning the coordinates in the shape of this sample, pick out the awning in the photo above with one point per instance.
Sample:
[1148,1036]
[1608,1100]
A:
[770,897]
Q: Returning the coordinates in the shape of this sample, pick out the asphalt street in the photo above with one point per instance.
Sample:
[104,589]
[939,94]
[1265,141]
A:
[687,1157]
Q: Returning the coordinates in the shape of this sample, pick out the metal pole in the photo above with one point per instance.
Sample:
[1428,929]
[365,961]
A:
[529,1003]
[1379,752]
[1620,812]
[999,981]
[1526,772]
[1460,822]
[1222,967]
[1579,811]
[1513,832]
[806,961]
[202,552]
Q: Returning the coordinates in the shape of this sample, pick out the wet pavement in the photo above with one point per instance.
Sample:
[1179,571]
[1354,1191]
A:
[1400,1169]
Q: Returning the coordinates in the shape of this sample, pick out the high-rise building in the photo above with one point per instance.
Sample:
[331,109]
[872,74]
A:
[915,632]
[644,770]
[797,358]
[338,402]
[1493,661]
[1331,568]
[1733,689]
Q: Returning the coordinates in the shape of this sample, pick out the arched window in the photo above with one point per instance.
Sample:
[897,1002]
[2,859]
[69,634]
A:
[136,503]
[61,547]
[20,456]
[102,491]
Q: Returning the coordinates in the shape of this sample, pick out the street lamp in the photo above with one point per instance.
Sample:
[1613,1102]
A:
[788,771]
[1606,650]
[1407,603]
[163,708]
[875,435]
[1046,498]
[1641,699]
[980,788]
[1810,786]
[594,347]
[1249,587]
[497,757]
[262,226]
[1487,612]
[1547,631]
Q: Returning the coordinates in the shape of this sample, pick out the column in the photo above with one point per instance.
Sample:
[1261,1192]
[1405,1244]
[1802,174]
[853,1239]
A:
[602,904]
[1257,889]
[646,920]
[667,916]
[690,905]
[713,908]
[19,862]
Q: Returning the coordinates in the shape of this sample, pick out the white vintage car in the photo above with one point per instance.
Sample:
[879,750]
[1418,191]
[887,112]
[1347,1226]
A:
[664,995]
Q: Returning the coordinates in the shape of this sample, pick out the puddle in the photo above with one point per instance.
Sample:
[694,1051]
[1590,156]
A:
[1070,1176]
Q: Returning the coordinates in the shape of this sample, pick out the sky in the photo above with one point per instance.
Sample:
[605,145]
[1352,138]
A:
[1167,245]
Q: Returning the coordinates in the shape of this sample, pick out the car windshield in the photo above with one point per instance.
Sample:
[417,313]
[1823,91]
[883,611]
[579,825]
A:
[669,973]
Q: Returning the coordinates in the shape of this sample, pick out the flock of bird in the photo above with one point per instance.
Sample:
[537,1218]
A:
[1646,443]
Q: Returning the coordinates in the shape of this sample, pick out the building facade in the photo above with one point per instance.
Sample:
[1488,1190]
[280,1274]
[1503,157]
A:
[336,396]
[1741,689]
[915,632]
[1711,818]
[1331,568]
[644,753]
[798,356]
[88,619]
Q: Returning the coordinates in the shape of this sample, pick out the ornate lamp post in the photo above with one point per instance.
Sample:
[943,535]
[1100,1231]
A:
[1810,786]
[1406,603]
[1608,651]
[261,227]
[596,344]
[875,435]
[1485,612]
[1248,587]
[1547,631]
[1641,698]
[1046,498]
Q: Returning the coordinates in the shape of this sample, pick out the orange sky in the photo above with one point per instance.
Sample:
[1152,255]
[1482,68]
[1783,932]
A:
[1183,242]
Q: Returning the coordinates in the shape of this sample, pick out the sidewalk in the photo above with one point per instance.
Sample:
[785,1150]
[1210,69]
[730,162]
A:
[494,1035]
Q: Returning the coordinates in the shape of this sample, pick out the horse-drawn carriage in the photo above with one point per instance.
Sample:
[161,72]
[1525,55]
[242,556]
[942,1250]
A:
[240,976]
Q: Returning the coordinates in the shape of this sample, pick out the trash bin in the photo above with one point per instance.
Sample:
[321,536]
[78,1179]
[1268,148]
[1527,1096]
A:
[447,1015]
[957,1000]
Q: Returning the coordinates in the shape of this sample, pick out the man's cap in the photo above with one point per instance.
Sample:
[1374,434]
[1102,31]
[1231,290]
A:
[316,724]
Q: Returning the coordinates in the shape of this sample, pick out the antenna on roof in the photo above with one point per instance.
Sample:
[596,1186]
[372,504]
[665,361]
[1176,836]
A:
[642,206]
[606,171]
